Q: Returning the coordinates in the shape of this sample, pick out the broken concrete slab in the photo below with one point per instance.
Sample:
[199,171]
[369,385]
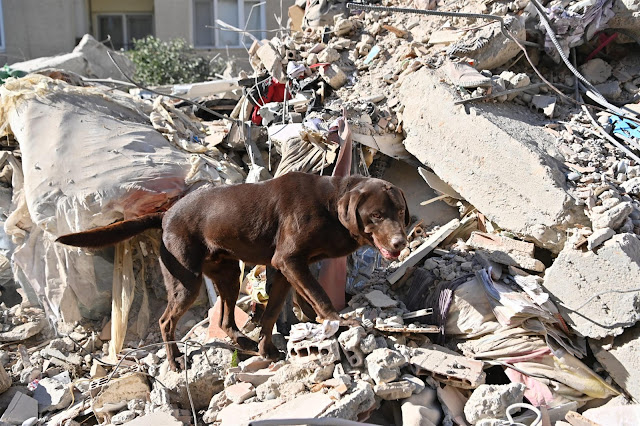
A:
[113,395]
[5,380]
[88,59]
[596,71]
[358,400]
[159,418]
[506,251]
[21,408]
[394,390]
[492,401]
[242,414]
[52,395]
[239,392]
[576,276]
[499,145]
[621,359]
[380,300]
[205,379]
[448,367]
[309,405]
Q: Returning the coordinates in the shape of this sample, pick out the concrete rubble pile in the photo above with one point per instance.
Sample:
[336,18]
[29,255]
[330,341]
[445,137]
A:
[514,301]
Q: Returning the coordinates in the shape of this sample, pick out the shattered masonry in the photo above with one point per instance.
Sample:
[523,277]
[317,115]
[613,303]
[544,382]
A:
[518,290]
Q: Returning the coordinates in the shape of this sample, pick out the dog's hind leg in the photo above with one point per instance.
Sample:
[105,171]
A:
[225,275]
[277,296]
[183,279]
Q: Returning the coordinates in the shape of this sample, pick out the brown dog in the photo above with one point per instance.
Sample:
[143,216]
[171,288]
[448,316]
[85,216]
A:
[287,223]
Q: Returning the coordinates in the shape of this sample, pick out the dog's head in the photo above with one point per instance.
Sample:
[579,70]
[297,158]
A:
[375,212]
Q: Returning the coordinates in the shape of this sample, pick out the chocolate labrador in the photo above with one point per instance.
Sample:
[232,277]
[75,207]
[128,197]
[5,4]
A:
[287,223]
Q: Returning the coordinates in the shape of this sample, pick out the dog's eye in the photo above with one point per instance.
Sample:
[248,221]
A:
[376,216]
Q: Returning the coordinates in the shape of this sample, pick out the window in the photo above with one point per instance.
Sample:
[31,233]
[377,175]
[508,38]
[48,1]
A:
[123,28]
[249,14]
[2,43]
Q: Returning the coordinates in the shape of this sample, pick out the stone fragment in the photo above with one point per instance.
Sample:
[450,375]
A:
[334,76]
[256,378]
[359,399]
[598,237]
[417,382]
[539,208]
[115,393]
[21,408]
[309,405]
[492,401]
[51,395]
[254,363]
[290,373]
[506,251]
[350,341]
[368,344]
[205,379]
[544,104]
[242,414]
[394,390]
[239,392]
[575,277]
[632,186]
[613,217]
[343,27]
[272,61]
[421,409]
[123,417]
[610,89]
[384,365]
[158,418]
[323,373]
[328,55]
[596,71]
[325,351]
[621,360]
[5,380]
[380,300]
[448,368]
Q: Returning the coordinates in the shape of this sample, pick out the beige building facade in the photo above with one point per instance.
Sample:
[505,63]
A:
[34,28]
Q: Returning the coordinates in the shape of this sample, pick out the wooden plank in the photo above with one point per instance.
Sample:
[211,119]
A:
[426,248]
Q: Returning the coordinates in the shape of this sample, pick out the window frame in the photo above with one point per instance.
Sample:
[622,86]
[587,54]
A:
[125,28]
[262,10]
[3,42]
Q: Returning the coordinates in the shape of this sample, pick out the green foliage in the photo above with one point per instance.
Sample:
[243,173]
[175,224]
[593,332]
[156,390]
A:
[170,62]
[234,359]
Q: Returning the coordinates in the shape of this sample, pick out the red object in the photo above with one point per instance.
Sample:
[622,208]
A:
[604,41]
[275,93]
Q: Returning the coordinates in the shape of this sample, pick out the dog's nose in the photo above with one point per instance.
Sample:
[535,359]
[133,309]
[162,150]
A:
[398,242]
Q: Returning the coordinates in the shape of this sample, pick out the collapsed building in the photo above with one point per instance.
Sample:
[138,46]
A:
[514,137]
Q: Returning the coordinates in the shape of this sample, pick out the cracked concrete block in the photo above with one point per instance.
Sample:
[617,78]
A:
[108,394]
[506,251]
[239,392]
[481,151]
[576,276]
[613,217]
[380,300]
[350,342]
[384,365]
[492,401]
[5,380]
[326,351]
[334,76]
[358,400]
[21,408]
[596,71]
[447,367]
[52,395]
[272,61]
[621,359]
[394,390]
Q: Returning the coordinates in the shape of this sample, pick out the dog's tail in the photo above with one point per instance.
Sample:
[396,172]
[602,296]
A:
[114,233]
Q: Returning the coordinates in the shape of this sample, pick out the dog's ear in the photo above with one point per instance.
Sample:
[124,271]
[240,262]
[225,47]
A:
[348,210]
[407,215]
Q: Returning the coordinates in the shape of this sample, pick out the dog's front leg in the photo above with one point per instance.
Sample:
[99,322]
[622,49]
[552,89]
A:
[297,272]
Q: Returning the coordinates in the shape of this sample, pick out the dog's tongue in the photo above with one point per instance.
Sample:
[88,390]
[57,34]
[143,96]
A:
[389,254]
